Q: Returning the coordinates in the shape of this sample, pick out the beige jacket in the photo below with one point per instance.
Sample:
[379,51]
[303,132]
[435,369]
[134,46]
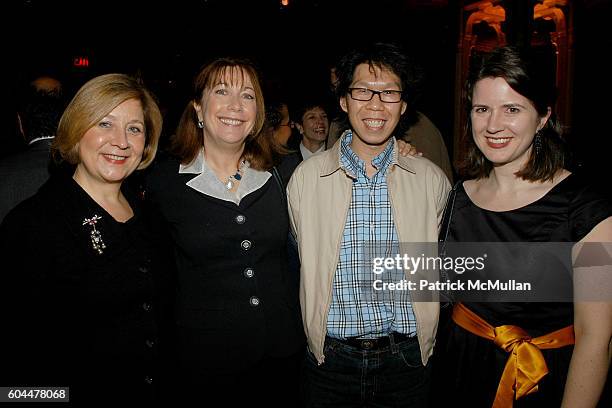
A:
[319,195]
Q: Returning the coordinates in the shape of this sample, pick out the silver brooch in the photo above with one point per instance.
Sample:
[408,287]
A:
[96,238]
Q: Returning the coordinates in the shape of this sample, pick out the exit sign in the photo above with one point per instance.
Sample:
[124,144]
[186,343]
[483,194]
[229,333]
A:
[81,62]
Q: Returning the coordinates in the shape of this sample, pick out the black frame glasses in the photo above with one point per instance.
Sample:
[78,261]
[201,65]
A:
[382,95]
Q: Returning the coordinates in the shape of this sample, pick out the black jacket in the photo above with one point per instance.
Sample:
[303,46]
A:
[75,317]
[237,302]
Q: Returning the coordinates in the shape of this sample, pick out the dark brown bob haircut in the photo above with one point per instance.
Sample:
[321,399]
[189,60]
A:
[520,69]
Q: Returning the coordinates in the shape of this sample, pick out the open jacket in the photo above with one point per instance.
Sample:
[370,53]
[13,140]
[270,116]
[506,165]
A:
[319,195]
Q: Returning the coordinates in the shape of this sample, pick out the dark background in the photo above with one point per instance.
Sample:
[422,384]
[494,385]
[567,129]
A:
[167,42]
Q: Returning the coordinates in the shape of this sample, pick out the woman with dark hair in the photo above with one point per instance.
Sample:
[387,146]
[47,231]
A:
[83,304]
[279,123]
[239,328]
[517,190]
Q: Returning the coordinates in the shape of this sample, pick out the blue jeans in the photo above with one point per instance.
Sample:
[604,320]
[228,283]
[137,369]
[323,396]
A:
[389,377]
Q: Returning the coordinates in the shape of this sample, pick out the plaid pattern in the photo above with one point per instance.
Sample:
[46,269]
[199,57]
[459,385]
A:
[356,309]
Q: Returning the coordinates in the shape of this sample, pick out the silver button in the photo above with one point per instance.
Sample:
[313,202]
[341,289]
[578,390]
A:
[148,380]
[240,219]
[246,244]
[254,301]
[146,306]
[249,273]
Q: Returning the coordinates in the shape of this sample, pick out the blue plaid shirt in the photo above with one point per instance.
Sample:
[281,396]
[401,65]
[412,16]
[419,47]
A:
[356,309]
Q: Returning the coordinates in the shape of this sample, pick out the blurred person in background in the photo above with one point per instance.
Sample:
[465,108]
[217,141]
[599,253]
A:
[40,107]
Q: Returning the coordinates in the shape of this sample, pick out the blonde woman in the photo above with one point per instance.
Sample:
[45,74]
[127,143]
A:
[83,294]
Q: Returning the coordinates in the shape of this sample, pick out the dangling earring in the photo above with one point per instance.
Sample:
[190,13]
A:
[201,124]
[537,142]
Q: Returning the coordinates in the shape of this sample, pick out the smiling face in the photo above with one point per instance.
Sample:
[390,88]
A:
[504,123]
[228,109]
[112,149]
[373,121]
[314,126]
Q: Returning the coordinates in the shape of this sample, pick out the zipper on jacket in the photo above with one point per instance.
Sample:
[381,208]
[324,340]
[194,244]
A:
[331,284]
[414,310]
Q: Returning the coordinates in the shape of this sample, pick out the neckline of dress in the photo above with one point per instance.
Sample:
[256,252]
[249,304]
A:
[555,187]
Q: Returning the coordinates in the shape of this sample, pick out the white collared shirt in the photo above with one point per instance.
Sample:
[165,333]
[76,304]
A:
[307,154]
[207,182]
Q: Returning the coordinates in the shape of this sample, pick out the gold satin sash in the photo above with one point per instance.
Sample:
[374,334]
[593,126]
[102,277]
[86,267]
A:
[525,365]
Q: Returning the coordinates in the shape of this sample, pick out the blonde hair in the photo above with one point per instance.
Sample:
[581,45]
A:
[95,100]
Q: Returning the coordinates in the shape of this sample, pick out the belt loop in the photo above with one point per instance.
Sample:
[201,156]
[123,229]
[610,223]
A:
[394,347]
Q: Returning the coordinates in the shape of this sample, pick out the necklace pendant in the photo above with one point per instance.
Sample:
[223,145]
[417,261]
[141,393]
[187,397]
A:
[235,177]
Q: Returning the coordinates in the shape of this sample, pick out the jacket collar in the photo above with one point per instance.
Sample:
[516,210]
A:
[331,164]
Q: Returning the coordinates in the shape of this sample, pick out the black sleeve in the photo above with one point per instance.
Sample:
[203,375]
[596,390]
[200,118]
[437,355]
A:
[288,165]
[25,306]
[588,208]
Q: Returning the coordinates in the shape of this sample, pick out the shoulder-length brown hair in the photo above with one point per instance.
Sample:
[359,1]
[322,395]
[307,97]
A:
[188,140]
[520,70]
[95,100]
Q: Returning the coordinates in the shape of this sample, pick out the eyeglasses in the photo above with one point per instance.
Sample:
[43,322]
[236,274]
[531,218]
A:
[365,94]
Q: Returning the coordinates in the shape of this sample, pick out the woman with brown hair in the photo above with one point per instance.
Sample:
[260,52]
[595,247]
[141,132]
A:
[529,352]
[240,335]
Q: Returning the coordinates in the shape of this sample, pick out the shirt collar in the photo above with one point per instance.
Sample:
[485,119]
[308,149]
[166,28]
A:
[206,182]
[195,167]
[353,164]
[332,160]
[306,154]
[31,142]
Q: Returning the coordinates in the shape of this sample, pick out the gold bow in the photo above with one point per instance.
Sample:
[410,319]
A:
[525,366]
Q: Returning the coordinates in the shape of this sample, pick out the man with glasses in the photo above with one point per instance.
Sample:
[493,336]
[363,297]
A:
[347,203]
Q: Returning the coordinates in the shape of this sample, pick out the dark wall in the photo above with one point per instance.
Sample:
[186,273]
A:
[166,43]
[590,138]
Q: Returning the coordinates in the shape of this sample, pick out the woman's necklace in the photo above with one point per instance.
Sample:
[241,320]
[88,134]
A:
[229,184]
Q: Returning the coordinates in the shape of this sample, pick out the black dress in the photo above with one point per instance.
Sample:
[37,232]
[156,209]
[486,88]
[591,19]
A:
[471,366]
[74,316]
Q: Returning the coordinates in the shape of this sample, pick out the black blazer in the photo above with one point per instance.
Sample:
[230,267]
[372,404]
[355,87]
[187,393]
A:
[237,303]
[22,174]
[75,317]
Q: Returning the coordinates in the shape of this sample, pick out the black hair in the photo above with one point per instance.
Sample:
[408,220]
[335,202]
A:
[381,55]
[387,56]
